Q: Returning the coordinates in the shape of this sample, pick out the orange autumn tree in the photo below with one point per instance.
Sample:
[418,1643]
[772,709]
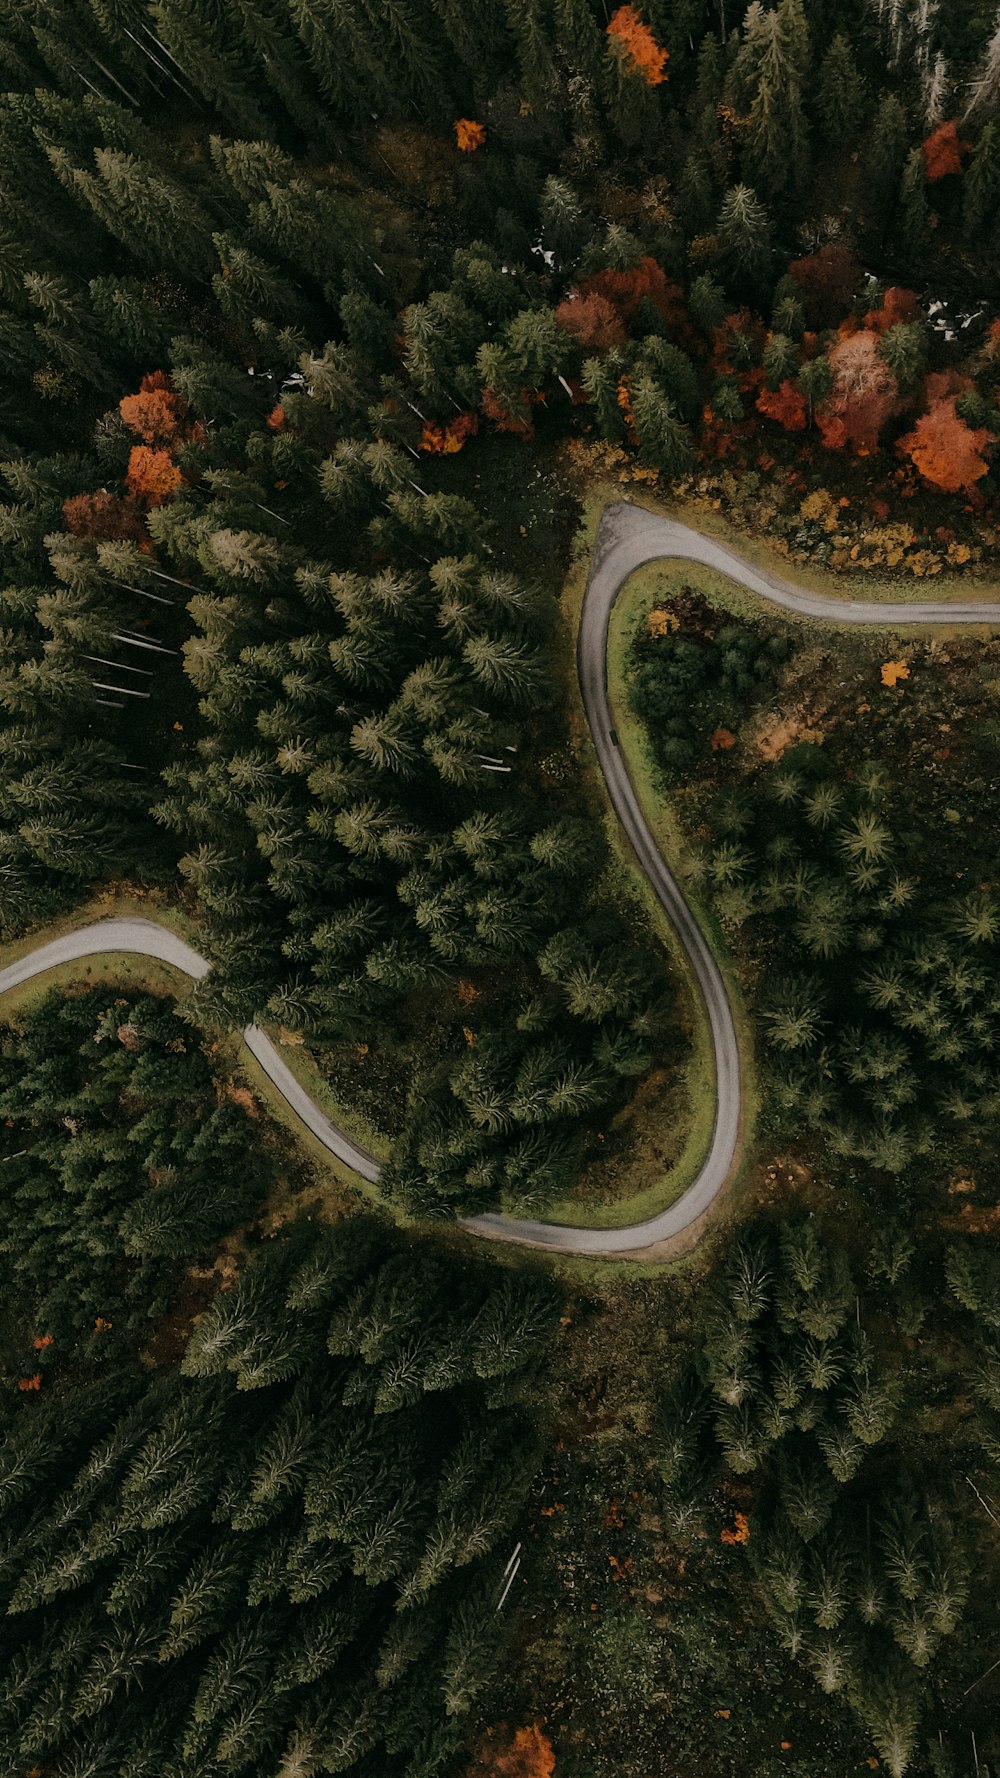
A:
[947,452]
[444,441]
[155,413]
[104,516]
[898,305]
[740,1531]
[943,151]
[786,404]
[593,321]
[626,291]
[152,476]
[469,134]
[636,47]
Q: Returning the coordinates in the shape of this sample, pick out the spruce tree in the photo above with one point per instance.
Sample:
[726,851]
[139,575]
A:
[840,95]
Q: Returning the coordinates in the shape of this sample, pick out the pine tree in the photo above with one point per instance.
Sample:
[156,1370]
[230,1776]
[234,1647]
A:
[663,439]
[840,95]
[888,152]
[910,225]
[208,59]
[769,74]
[984,88]
[563,226]
[744,231]
[904,348]
[146,210]
[981,187]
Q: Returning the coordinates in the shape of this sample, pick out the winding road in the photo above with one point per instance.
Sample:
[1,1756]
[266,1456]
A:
[628,538]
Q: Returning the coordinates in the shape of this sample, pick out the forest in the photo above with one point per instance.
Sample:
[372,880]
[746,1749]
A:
[326,328]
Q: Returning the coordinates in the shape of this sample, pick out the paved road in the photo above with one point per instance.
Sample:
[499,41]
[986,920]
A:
[147,939]
[628,537]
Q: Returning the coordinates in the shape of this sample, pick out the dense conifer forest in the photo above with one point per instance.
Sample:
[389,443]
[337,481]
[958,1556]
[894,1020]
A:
[328,328]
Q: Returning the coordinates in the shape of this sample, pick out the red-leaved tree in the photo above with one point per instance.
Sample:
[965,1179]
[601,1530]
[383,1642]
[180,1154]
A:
[898,305]
[593,321]
[786,404]
[104,516]
[827,281]
[626,290]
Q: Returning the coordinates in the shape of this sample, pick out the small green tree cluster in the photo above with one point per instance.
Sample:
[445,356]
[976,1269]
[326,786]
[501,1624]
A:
[281,1559]
[864,1053]
[687,682]
[855,1534]
[120,1160]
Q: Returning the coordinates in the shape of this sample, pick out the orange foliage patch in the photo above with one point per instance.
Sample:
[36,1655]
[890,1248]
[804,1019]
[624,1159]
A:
[863,397]
[898,304]
[722,740]
[637,47]
[626,290]
[27,1384]
[41,1341]
[943,151]
[740,1532]
[152,475]
[786,404]
[276,418]
[894,671]
[444,441]
[243,1097]
[946,451]
[593,321]
[469,135]
[153,414]
[104,516]
[526,1754]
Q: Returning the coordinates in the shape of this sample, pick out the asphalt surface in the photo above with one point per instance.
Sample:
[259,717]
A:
[628,537]
[147,939]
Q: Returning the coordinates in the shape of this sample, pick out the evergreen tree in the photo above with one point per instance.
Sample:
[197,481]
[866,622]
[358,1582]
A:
[768,76]
[744,231]
[840,95]
[910,225]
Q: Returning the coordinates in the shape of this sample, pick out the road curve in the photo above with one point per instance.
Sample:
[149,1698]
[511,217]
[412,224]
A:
[145,938]
[628,538]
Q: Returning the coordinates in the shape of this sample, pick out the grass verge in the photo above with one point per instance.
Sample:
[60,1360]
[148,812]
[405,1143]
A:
[677,1130]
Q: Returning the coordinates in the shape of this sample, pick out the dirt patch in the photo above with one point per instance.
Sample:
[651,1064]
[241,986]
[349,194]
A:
[199,1286]
[779,731]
